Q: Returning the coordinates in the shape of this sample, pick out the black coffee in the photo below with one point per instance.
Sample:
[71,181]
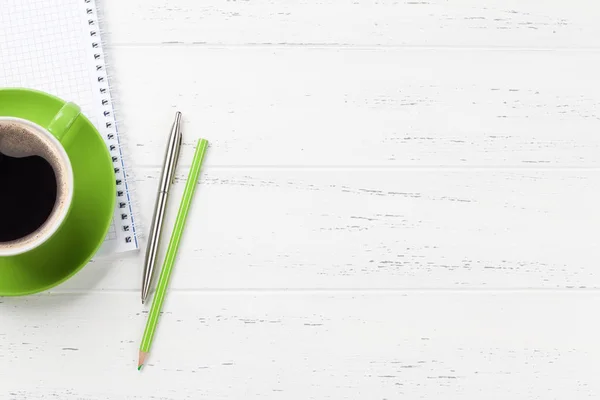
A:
[27,195]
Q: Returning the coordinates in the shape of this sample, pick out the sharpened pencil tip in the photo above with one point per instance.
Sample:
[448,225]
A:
[142,359]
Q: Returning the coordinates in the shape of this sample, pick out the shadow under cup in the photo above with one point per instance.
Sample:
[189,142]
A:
[89,214]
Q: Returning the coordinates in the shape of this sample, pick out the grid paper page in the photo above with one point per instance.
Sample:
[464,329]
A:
[48,45]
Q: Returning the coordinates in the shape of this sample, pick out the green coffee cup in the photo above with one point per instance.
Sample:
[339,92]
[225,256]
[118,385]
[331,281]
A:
[44,243]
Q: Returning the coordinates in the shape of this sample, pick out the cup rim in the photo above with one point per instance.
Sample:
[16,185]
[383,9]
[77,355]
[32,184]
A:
[61,216]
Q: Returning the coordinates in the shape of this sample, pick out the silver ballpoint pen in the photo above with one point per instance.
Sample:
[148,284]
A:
[166,178]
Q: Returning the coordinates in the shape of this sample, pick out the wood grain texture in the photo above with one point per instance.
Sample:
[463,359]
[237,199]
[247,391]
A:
[303,229]
[538,23]
[400,201]
[316,107]
[304,346]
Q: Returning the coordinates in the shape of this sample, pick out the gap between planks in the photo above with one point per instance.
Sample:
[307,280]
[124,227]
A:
[348,46]
[297,291]
[417,168]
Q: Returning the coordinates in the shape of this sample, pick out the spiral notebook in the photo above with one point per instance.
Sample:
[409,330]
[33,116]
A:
[55,46]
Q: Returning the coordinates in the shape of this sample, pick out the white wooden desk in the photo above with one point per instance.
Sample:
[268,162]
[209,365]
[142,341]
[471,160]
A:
[400,201]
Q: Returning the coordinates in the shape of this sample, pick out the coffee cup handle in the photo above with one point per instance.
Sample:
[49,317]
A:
[63,121]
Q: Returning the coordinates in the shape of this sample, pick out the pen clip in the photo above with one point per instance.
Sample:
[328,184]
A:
[176,156]
[171,155]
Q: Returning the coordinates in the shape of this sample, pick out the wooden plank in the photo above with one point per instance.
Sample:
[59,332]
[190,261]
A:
[261,106]
[539,23]
[374,229]
[304,345]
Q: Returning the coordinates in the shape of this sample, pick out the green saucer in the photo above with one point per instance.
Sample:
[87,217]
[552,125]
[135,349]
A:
[90,217]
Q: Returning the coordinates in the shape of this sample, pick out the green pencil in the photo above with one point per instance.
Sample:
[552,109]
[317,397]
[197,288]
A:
[165,273]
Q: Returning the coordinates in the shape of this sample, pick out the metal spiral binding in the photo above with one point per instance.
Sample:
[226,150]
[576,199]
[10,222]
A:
[112,140]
